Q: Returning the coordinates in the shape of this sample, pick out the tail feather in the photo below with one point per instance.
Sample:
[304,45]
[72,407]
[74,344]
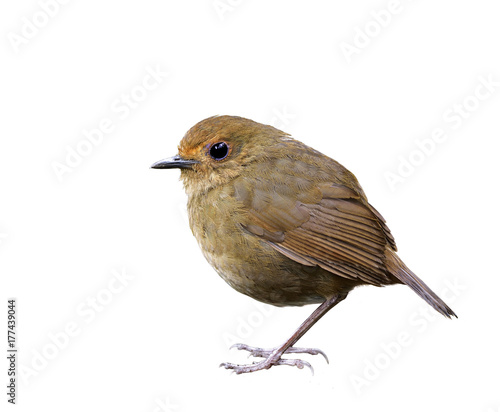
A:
[406,276]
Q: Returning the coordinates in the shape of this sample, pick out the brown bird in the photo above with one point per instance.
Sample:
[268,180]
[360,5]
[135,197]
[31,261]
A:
[284,224]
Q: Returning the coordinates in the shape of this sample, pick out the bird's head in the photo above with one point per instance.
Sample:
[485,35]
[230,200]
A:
[217,150]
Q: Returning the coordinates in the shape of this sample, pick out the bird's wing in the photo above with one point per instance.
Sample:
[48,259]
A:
[329,225]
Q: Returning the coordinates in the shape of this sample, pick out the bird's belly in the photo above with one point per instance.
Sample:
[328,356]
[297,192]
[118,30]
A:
[254,268]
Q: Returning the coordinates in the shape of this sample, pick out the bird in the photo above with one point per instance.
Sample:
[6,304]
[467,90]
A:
[284,224]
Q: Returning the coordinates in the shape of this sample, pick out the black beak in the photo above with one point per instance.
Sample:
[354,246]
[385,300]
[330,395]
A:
[175,162]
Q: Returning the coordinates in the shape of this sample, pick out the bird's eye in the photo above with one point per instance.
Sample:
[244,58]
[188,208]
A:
[219,151]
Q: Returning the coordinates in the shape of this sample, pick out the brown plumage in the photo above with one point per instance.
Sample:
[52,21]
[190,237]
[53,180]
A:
[284,224]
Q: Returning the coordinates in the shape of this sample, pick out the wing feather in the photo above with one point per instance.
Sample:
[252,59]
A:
[337,229]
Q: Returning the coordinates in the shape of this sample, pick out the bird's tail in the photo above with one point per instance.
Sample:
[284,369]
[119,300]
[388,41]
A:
[406,276]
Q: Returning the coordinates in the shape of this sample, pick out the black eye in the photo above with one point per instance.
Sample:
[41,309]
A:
[219,151]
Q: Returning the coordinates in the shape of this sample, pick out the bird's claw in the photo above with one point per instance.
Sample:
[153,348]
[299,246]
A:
[271,358]
[265,353]
[266,364]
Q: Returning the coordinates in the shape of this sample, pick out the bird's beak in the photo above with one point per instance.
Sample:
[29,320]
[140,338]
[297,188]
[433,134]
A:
[175,162]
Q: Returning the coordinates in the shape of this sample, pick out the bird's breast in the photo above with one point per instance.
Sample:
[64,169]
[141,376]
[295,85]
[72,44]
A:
[246,262]
[217,220]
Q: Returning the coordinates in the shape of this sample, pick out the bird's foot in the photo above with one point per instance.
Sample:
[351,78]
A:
[266,353]
[271,358]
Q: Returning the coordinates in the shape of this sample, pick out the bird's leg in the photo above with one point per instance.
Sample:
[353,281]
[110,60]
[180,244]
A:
[273,356]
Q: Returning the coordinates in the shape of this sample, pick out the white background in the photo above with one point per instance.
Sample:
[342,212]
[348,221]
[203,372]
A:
[155,343]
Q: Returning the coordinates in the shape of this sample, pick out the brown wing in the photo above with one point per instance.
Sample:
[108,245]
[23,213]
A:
[330,226]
